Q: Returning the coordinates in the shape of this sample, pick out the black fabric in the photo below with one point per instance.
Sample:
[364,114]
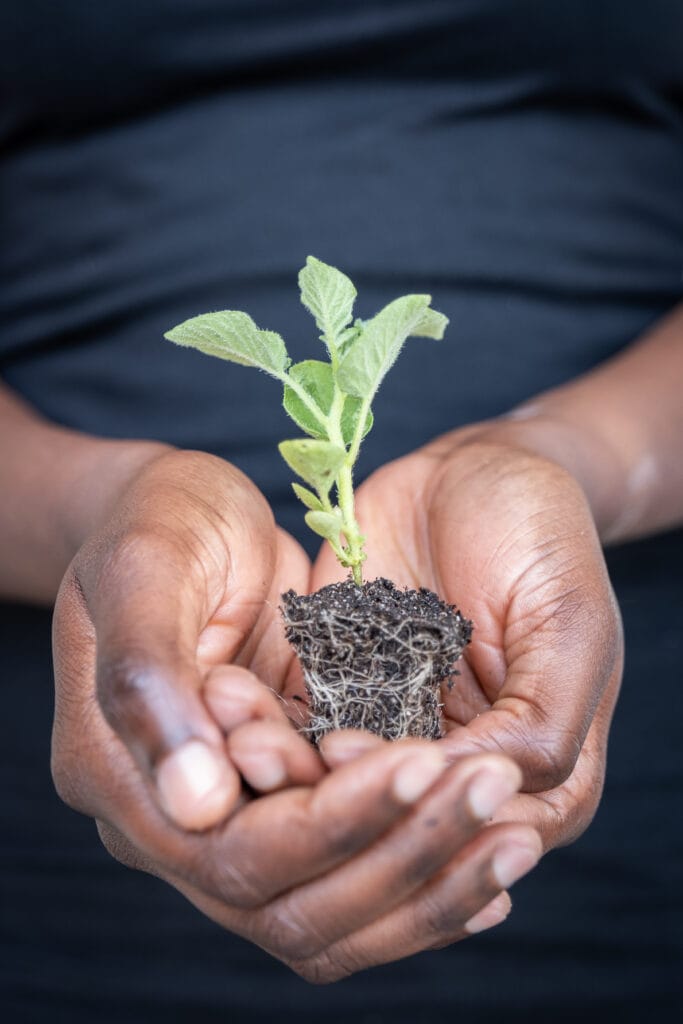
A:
[523,162]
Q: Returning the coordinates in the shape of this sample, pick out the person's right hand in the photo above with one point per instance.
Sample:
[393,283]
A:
[167,636]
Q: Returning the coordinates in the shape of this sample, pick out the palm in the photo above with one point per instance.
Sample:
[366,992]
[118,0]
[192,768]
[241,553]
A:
[260,646]
[509,540]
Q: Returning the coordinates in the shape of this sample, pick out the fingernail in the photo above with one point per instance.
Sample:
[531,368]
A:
[511,862]
[187,777]
[493,913]
[416,775]
[263,771]
[488,790]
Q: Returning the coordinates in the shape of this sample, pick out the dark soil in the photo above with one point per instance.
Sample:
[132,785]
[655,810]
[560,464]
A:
[374,657]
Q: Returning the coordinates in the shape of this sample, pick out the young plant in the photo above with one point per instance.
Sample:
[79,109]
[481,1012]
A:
[330,401]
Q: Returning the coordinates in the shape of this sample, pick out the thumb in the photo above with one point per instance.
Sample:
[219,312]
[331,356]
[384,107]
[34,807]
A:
[146,604]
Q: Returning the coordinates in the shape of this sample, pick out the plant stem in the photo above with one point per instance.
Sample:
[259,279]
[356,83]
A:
[354,539]
[353,552]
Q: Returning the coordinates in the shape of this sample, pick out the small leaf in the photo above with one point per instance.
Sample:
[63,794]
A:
[432,325]
[350,416]
[325,524]
[317,379]
[349,335]
[309,499]
[316,462]
[234,336]
[366,360]
[329,295]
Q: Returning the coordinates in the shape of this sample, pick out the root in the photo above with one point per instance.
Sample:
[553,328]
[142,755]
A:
[374,657]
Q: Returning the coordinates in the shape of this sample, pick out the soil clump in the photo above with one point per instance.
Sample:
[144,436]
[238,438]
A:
[374,656]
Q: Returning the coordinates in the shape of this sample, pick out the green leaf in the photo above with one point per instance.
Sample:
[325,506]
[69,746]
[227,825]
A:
[366,360]
[329,295]
[349,335]
[432,325]
[350,417]
[309,499]
[233,336]
[325,524]
[317,380]
[316,462]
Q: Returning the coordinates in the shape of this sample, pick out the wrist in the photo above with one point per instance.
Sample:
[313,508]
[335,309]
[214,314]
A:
[58,486]
[588,456]
[96,474]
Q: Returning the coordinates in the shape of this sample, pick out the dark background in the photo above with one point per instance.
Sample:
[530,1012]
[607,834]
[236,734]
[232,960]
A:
[523,162]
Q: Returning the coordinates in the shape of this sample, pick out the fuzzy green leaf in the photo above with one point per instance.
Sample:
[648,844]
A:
[329,295]
[349,335]
[373,353]
[325,524]
[233,336]
[350,417]
[317,379]
[432,325]
[310,500]
[316,462]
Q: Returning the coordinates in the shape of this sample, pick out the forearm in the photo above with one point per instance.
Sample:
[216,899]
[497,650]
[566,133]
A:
[619,431]
[56,486]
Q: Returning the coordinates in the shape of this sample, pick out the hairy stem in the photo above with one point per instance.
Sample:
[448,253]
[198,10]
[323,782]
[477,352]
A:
[354,539]
[353,553]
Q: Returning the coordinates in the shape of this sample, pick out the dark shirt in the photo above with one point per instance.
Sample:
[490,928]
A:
[522,161]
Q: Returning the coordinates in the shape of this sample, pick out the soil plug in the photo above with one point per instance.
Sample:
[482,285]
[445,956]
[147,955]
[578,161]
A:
[373,656]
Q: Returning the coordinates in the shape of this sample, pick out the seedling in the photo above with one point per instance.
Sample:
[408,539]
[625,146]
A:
[373,656]
[330,401]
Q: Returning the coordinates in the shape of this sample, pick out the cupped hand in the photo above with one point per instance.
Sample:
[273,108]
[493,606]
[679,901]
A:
[507,536]
[166,633]
[167,637]
[385,857]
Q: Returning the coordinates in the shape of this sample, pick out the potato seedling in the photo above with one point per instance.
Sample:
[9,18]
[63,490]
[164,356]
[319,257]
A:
[373,656]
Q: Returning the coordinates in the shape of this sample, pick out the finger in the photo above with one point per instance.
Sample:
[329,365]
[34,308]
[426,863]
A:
[378,879]
[439,913]
[548,703]
[547,630]
[197,787]
[263,744]
[561,815]
[150,590]
[270,755]
[288,838]
[345,745]
[234,695]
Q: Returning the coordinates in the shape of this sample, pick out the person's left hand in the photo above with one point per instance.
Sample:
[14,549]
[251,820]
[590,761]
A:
[507,536]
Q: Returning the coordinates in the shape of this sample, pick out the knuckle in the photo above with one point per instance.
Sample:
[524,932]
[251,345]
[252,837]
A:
[438,922]
[336,835]
[551,757]
[126,685]
[293,936]
[138,548]
[326,967]
[545,749]
[230,879]
[423,865]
